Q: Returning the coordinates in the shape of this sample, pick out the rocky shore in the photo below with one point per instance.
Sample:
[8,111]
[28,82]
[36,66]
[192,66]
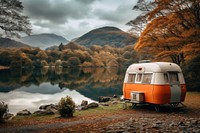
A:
[145,124]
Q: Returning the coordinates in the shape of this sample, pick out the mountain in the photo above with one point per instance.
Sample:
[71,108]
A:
[9,43]
[106,36]
[44,40]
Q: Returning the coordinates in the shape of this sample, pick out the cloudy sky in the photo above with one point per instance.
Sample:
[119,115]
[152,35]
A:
[73,18]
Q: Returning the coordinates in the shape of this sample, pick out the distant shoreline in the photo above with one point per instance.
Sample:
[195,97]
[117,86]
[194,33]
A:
[4,67]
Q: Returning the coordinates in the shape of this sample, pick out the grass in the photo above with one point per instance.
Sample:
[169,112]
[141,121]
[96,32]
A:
[100,110]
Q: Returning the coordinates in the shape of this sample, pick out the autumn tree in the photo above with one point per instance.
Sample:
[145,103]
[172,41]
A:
[42,55]
[73,62]
[12,21]
[172,31]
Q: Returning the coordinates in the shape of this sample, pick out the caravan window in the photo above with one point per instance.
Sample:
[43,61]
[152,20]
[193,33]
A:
[131,78]
[173,77]
[147,78]
[139,77]
[166,80]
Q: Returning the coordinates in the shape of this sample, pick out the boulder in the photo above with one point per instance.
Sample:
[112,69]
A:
[104,99]
[92,105]
[43,112]
[84,103]
[50,106]
[23,112]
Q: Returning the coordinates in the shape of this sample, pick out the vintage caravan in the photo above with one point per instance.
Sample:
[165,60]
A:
[155,83]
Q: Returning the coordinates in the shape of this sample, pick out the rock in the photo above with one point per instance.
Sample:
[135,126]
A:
[84,103]
[114,96]
[104,104]
[92,105]
[104,99]
[43,112]
[43,106]
[23,112]
[84,107]
[194,122]
[52,106]
[155,126]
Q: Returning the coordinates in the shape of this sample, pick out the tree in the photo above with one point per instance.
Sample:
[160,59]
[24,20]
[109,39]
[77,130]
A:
[192,73]
[3,111]
[140,22]
[172,31]
[74,62]
[12,21]
[61,47]
[42,55]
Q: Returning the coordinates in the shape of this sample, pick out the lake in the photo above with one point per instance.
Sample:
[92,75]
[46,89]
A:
[28,89]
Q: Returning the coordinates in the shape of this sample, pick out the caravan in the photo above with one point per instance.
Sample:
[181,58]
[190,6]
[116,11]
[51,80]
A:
[154,83]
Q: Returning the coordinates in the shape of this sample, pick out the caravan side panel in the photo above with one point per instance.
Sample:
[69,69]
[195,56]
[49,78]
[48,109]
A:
[145,88]
[161,94]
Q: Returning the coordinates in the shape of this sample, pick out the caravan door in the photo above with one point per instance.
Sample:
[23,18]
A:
[175,88]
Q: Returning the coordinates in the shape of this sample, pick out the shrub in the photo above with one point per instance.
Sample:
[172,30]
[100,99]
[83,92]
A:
[67,107]
[3,111]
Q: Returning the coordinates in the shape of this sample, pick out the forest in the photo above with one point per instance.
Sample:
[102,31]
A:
[70,55]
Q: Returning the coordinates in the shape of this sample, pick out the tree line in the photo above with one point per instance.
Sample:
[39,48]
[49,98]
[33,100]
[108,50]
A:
[70,55]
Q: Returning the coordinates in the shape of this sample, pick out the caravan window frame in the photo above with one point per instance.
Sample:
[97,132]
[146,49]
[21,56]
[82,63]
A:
[136,78]
[150,80]
[173,77]
[130,78]
[142,77]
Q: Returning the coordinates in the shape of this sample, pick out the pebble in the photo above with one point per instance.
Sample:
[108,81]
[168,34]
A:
[143,125]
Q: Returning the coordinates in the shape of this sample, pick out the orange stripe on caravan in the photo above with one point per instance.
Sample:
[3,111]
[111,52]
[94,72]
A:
[155,94]
[146,88]
[161,94]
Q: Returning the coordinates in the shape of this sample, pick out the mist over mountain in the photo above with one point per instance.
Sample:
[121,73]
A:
[106,36]
[44,40]
[9,43]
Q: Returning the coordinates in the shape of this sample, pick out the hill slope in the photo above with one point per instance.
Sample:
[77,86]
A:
[106,36]
[44,40]
[9,43]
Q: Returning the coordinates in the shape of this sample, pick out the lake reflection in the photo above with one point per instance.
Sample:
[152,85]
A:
[30,89]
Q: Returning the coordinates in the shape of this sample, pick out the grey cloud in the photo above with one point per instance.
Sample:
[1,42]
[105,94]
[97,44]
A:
[121,14]
[86,1]
[83,24]
[57,11]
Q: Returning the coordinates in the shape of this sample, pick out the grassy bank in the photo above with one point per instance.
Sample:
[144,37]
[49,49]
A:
[102,116]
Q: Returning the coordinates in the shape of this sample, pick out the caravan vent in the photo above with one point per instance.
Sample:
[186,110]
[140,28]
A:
[137,97]
[144,61]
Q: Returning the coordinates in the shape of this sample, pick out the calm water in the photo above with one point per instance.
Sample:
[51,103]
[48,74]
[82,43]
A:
[29,89]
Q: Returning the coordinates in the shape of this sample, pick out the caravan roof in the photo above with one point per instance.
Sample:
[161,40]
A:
[153,67]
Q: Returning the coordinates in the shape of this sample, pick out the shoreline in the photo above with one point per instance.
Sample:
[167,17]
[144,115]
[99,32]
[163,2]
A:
[4,67]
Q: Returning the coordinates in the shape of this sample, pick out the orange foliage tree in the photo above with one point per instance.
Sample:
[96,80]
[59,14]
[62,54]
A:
[172,31]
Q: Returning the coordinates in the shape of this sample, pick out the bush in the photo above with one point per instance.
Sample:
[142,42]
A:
[67,107]
[3,111]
